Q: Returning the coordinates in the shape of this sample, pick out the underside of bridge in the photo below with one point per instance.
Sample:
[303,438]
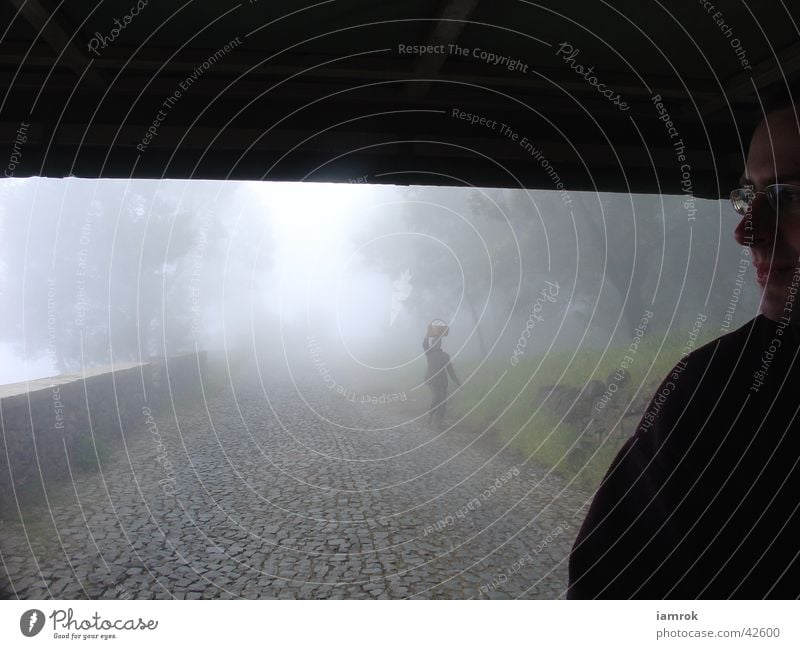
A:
[623,96]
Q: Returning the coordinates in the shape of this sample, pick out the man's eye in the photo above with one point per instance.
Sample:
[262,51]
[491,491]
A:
[789,196]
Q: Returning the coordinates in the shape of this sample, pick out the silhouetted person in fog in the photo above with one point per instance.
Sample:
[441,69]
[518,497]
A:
[704,500]
[439,367]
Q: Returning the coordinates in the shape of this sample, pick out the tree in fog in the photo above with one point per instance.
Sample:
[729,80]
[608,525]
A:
[448,253]
[98,271]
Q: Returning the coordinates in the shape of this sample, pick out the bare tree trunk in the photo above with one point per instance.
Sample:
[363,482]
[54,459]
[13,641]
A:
[620,278]
[478,331]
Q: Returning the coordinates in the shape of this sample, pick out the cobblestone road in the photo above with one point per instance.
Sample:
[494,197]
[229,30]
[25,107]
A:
[259,496]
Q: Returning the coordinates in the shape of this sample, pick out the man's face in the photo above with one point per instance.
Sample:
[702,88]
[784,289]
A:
[774,157]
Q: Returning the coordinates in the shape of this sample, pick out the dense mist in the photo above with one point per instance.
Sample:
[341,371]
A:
[338,281]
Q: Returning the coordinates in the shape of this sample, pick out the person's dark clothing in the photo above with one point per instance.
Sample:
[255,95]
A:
[703,500]
[438,368]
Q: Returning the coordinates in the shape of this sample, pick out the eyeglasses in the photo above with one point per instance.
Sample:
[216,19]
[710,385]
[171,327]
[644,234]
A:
[783,198]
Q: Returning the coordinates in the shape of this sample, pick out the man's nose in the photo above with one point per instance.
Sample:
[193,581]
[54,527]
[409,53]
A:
[758,226]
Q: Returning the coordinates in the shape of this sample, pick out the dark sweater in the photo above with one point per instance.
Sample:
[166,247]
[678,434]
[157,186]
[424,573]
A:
[439,366]
[703,500]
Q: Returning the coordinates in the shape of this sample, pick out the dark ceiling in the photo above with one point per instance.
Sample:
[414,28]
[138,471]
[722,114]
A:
[327,91]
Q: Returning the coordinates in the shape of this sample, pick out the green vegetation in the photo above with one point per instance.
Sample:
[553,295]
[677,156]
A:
[549,430]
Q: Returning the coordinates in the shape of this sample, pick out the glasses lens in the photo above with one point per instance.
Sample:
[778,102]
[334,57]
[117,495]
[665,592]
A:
[776,196]
[741,199]
[784,198]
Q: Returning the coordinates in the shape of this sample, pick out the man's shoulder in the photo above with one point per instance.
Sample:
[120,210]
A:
[722,361]
[705,384]
[729,347]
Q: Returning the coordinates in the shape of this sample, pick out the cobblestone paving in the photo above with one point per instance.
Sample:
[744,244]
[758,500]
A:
[258,496]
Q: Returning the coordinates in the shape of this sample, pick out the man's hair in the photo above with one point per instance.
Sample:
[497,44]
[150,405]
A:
[780,96]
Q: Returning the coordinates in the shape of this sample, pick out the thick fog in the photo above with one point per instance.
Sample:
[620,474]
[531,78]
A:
[337,282]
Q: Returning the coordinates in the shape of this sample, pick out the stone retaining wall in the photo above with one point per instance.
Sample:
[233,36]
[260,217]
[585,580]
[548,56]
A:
[72,422]
[177,378]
